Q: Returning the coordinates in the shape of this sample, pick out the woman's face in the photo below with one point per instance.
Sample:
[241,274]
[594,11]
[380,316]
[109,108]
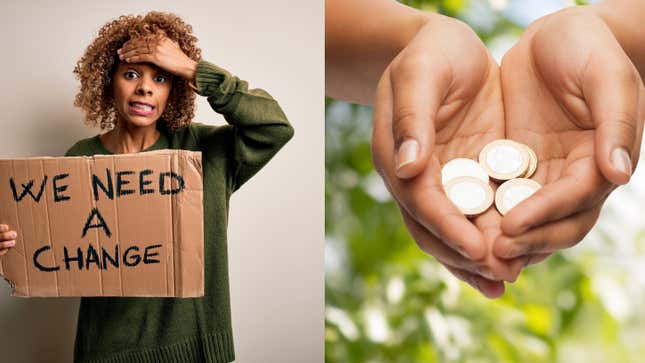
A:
[140,92]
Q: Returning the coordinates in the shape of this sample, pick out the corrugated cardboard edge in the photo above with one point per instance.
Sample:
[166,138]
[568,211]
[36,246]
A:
[185,253]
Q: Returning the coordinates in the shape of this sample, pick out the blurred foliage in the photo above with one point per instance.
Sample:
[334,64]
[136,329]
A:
[386,301]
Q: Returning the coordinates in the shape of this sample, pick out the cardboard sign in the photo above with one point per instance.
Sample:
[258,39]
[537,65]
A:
[106,225]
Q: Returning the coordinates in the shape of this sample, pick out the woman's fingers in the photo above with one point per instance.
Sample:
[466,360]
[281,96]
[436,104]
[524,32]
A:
[7,244]
[422,197]
[614,92]
[580,188]
[489,288]
[431,245]
[537,258]
[136,55]
[145,44]
[7,236]
[543,240]
[419,85]
[138,49]
[7,239]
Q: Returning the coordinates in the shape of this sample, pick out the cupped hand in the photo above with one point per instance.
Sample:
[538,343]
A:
[440,99]
[573,95]
[161,51]
[7,239]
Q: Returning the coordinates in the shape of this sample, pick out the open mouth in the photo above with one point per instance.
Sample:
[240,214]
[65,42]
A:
[144,107]
[141,108]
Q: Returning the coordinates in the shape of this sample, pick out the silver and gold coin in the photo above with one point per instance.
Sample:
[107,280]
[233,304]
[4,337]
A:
[532,162]
[513,192]
[462,167]
[470,195]
[504,159]
[466,181]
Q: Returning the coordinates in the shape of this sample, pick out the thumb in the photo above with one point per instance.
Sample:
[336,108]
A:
[418,88]
[612,89]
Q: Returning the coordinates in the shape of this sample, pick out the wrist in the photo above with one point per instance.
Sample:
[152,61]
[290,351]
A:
[410,28]
[358,46]
[188,71]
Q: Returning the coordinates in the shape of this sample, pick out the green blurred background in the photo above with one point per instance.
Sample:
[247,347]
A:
[386,301]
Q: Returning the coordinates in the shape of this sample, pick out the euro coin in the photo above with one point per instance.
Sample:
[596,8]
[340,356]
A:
[470,195]
[504,159]
[532,162]
[513,192]
[462,167]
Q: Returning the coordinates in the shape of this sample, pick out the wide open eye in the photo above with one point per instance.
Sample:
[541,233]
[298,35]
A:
[130,75]
[160,78]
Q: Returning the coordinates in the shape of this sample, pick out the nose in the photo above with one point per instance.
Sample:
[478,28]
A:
[144,87]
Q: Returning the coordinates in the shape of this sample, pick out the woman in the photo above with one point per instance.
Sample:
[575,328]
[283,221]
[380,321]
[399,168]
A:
[138,79]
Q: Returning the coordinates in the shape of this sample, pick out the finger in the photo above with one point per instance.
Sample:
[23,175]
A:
[549,238]
[494,268]
[489,288]
[423,197]
[141,58]
[580,188]
[431,245]
[138,42]
[491,269]
[7,236]
[419,85]
[612,86]
[7,244]
[133,52]
[3,251]
[537,258]
[4,227]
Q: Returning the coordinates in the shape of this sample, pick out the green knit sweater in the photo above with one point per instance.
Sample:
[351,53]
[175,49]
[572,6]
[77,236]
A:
[117,329]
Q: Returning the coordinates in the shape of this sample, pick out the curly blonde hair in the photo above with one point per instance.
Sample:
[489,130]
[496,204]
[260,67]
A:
[96,67]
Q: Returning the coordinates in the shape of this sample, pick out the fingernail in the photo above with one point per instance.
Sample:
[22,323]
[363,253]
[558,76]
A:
[13,235]
[486,272]
[11,243]
[407,153]
[621,161]
[463,251]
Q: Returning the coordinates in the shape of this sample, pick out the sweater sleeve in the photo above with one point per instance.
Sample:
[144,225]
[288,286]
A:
[260,127]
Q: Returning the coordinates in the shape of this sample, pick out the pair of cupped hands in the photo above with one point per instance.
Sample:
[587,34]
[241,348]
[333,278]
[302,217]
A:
[566,89]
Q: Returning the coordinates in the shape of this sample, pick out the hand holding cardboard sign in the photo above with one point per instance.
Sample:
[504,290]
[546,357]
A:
[7,239]
[161,51]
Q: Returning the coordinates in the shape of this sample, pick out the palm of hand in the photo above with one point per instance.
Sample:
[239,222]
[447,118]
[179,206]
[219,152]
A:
[543,107]
[474,124]
[470,117]
[548,107]
[464,135]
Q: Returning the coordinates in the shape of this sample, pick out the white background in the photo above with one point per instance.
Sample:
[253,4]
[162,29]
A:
[276,219]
